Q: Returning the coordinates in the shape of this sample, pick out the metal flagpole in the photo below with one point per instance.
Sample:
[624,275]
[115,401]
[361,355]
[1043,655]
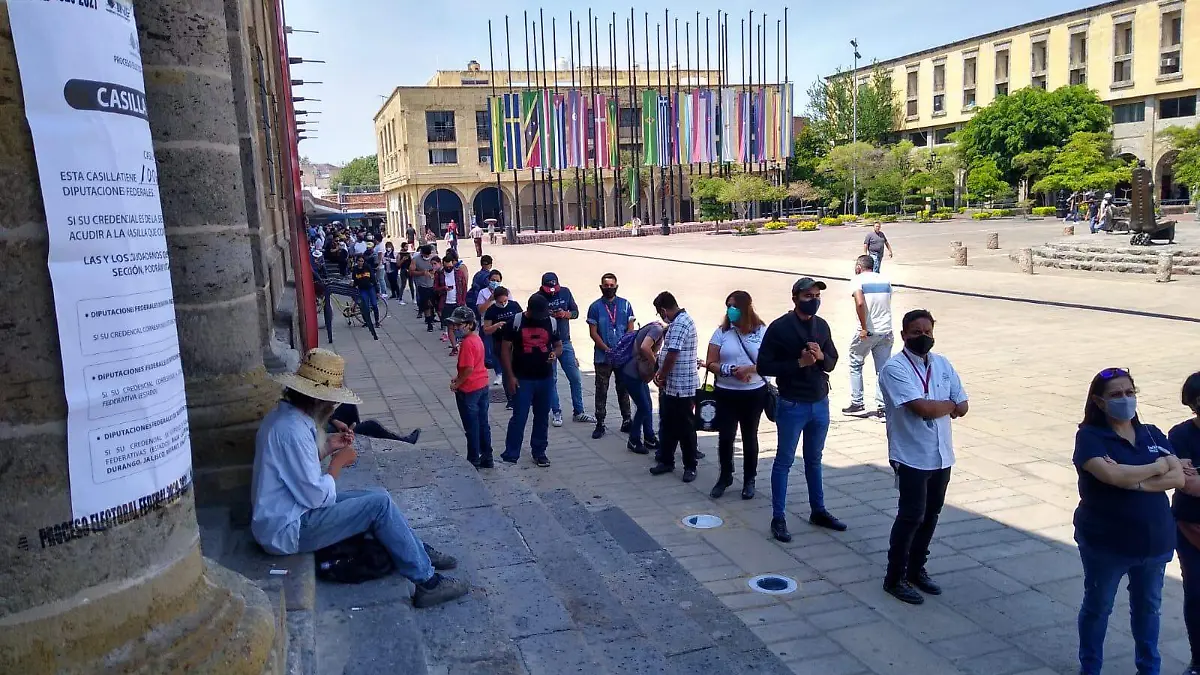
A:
[782,108]
[516,186]
[528,79]
[788,91]
[646,28]
[662,172]
[597,173]
[585,211]
[672,140]
[677,203]
[616,132]
[742,92]
[560,161]
[497,162]
[630,48]
[547,171]
[687,50]
[762,85]
[707,74]
[572,29]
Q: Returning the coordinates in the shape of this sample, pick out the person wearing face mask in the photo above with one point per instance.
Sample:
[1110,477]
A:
[922,393]
[1123,523]
[1185,442]
[478,282]
[297,507]
[563,309]
[425,267]
[609,317]
[484,300]
[798,351]
[501,309]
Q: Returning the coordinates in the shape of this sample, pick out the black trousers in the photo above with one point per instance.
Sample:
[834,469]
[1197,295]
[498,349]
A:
[1189,564]
[393,280]
[739,408]
[677,427]
[922,494]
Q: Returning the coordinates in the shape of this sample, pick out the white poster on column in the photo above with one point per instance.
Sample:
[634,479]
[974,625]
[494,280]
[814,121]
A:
[127,426]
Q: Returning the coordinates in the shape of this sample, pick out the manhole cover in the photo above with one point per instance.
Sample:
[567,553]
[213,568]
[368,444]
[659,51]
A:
[703,521]
[772,584]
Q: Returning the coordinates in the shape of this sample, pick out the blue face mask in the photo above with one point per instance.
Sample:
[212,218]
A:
[734,314]
[1123,408]
[493,285]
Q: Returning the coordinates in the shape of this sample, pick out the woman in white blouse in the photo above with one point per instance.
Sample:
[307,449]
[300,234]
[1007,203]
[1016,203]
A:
[741,393]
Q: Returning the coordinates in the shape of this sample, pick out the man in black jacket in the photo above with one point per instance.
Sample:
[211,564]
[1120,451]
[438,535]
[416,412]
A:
[799,352]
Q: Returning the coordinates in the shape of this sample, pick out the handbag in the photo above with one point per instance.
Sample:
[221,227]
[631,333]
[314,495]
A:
[772,401]
[706,406]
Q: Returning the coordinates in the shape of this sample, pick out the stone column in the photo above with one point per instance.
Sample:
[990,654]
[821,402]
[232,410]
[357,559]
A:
[193,117]
[1069,230]
[993,241]
[1166,264]
[135,597]
[960,256]
[1026,261]
[954,246]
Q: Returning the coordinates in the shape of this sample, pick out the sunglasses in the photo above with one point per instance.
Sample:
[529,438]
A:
[1110,373]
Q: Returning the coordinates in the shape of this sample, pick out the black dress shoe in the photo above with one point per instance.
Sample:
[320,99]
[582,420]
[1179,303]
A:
[922,581]
[660,468]
[853,408]
[719,488]
[626,425]
[699,455]
[748,489]
[826,519]
[904,592]
[651,442]
[486,463]
[779,530]
[689,475]
[637,448]
[598,432]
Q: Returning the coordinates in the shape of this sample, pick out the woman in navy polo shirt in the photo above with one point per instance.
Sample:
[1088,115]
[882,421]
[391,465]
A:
[1185,441]
[1123,524]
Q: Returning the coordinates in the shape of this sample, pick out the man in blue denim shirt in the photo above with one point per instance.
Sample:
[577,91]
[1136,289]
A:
[563,309]
[609,317]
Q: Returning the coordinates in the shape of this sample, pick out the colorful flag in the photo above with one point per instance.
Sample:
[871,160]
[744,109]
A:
[787,140]
[771,125]
[650,127]
[729,124]
[633,180]
[602,141]
[577,125]
[711,130]
[514,135]
[613,145]
[546,113]
[532,124]
[666,125]
[683,104]
[496,113]
[560,131]
[744,115]
[696,128]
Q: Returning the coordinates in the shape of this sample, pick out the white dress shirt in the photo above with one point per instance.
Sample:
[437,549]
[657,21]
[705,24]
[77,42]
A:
[912,440]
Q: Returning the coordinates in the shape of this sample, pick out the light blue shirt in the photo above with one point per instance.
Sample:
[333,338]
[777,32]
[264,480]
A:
[288,480]
[913,441]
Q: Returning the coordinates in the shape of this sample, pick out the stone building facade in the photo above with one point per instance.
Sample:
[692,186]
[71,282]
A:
[139,596]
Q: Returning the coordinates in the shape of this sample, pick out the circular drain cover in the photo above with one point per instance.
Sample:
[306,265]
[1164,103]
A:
[703,521]
[773,584]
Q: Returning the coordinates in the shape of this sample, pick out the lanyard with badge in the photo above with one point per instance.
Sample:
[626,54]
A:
[925,386]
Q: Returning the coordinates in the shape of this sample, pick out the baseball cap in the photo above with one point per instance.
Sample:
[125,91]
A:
[805,283]
[461,315]
[539,307]
[550,279]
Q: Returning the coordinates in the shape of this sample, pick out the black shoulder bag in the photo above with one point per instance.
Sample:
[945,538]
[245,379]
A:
[772,390]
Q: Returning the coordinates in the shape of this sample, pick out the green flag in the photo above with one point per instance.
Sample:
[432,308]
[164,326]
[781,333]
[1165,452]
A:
[650,127]
[633,179]
[495,106]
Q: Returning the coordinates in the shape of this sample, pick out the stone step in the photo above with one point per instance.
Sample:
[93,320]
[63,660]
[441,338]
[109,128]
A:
[1145,256]
[1106,259]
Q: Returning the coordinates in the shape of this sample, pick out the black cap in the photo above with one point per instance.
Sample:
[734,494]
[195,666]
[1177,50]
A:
[805,283]
[538,307]
[550,279]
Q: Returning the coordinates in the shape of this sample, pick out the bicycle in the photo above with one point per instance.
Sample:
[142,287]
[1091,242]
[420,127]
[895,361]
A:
[348,308]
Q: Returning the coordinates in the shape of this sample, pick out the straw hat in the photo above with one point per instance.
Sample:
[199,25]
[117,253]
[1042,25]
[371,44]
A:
[320,376]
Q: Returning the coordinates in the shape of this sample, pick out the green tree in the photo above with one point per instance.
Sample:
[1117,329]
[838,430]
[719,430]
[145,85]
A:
[742,191]
[707,194]
[840,165]
[1030,119]
[1186,167]
[985,180]
[359,171]
[1032,165]
[1086,162]
[808,149]
[831,107]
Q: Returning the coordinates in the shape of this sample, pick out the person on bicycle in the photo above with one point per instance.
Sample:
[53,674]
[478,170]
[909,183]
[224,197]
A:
[368,293]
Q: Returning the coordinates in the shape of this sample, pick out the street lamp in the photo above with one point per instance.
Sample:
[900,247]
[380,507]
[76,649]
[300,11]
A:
[933,162]
[854,118]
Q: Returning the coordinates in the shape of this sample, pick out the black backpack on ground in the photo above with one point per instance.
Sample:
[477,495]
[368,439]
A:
[353,561]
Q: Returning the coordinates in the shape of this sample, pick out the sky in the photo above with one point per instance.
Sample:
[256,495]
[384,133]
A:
[371,46]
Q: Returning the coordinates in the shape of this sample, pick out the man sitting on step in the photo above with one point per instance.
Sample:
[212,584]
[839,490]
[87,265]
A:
[297,507]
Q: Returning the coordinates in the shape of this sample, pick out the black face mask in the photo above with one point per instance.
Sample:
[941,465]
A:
[809,307]
[608,293]
[919,345]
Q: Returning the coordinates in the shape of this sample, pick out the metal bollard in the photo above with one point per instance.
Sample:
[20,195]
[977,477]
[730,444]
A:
[993,241]
[1026,261]
[960,256]
[1166,264]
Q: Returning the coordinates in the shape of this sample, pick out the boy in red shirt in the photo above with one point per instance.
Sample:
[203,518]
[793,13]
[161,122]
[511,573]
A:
[470,388]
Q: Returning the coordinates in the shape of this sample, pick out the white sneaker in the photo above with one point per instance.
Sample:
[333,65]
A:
[498,381]
[403,302]
[584,418]
[556,419]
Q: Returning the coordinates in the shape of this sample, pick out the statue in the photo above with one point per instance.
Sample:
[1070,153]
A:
[1144,225]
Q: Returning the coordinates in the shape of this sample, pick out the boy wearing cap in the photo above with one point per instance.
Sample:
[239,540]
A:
[563,309]
[798,351]
[297,506]
[531,347]
[470,387]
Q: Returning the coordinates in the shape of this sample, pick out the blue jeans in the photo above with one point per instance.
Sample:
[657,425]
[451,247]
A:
[535,393]
[642,426]
[793,418]
[570,366]
[1102,573]
[877,259]
[358,511]
[880,349]
[473,411]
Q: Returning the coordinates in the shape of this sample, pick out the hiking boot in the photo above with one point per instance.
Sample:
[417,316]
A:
[637,448]
[626,425]
[719,488]
[826,519]
[599,431]
[660,468]
[904,592]
[748,489]
[921,580]
[583,418]
[437,590]
[556,419]
[779,530]
[439,560]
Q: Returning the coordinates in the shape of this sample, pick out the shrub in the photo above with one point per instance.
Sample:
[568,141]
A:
[775,225]
[924,217]
[830,222]
[981,215]
[869,216]
[1044,210]
[848,218]
[945,209]
[888,218]
[807,226]
[942,216]
[962,209]
[1002,213]
[912,208]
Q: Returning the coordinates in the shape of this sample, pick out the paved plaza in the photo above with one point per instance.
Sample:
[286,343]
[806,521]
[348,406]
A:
[1025,346]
